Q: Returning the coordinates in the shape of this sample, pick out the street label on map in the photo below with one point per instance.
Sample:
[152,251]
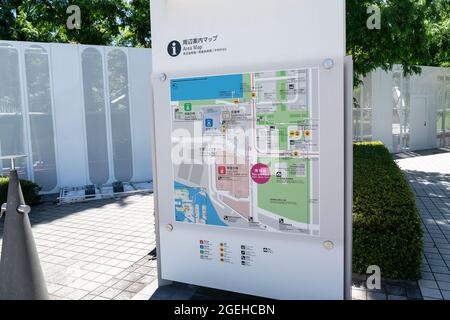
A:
[245,151]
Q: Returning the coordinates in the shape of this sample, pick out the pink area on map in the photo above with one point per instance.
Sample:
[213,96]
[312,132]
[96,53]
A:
[233,178]
[242,207]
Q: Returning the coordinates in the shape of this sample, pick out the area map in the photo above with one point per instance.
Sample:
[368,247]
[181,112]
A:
[246,151]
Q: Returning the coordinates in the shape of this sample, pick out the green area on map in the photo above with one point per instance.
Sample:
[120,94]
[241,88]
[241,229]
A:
[287,196]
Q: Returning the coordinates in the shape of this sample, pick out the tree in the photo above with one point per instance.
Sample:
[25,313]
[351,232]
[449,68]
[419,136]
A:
[137,31]
[437,22]
[402,38]
[104,22]
[413,32]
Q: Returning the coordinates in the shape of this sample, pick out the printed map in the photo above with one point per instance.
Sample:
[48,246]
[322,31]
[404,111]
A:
[246,151]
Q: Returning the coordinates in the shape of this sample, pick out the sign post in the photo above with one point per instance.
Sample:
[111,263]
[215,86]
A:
[252,179]
[21,276]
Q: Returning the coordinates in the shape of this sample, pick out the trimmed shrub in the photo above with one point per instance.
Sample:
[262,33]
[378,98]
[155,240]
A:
[30,191]
[387,230]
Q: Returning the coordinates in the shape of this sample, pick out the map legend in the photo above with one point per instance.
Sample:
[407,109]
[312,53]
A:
[206,252]
[225,253]
[247,255]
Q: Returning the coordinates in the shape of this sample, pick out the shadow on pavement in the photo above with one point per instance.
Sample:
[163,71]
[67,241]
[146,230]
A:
[421,153]
[180,291]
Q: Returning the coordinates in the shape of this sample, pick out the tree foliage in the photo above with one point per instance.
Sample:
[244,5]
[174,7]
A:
[402,38]
[138,24]
[104,22]
[413,32]
[437,23]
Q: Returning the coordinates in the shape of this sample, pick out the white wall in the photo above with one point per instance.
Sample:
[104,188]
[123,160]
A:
[67,100]
[418,130]
[382,99]
[141,97]
[433,85]
[70,136]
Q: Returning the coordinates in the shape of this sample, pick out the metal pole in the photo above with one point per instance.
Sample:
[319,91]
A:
[21,276]
[348,147]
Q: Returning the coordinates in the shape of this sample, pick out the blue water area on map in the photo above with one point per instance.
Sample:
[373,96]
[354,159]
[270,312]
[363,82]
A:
[207,88]
[200,198]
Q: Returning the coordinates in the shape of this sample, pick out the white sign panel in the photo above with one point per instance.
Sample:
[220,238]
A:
[249,135]
[203,34]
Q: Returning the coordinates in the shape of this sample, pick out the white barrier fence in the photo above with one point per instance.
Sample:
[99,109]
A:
[405,113]
[80,113]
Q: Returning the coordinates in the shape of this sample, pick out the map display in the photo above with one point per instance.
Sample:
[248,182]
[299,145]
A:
[245,151]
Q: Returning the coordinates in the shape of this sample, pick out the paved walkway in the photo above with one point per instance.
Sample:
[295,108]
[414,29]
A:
[99,249]
[429,176]
[96,250]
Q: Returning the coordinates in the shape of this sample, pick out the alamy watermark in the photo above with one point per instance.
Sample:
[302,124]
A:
[74,20]
[374,21]
[374,278]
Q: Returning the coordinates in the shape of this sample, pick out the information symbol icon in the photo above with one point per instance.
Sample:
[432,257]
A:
[174,48]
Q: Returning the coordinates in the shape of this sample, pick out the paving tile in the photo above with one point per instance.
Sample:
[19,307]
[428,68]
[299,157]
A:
[431,293]
[437,262]
[444,285]
[123,264]
[77,294]
[133,276]
[141,296]
[395,290]
[445,251]
[90,285]
[64,291]
[144,269]
[136,287]
[101,260]
[103,278]
[446,294]
[91,275]
[113,271]
[427,275]
[122,284]
[413,292]
[149,289]
[425,267]
[438,269]
[395,297]
[376,295]
[432,256]
[53,287]
[110,293]
[428,284]
[147,279]
[125,295]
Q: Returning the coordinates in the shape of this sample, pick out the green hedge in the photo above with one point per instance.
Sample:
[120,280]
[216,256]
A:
[387,229]
[30,191]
